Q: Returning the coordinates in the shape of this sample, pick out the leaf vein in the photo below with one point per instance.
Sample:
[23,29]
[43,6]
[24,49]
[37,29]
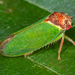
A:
[43,66]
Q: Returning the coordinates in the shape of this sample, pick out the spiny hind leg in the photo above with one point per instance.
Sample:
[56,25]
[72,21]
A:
[27,54]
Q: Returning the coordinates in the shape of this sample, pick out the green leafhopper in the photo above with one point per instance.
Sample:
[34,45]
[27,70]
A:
[34,37]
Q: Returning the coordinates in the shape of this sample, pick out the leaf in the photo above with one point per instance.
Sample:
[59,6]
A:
[56,6]
[17,14]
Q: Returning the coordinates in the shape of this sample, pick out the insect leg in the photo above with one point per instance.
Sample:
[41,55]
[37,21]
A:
[69,39]
[61,44]
[27,54]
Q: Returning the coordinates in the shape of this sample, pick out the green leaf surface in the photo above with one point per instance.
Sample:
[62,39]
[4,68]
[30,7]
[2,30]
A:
[17,14]
[67,6]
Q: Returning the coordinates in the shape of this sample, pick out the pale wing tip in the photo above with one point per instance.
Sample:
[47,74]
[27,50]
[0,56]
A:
[4,42]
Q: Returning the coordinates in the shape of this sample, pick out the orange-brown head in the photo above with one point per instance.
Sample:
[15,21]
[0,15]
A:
[60,19]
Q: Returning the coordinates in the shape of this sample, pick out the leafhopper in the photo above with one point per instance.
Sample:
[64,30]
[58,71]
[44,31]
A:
[38,35]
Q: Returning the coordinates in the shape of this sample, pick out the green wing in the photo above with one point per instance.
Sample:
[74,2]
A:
[30,39]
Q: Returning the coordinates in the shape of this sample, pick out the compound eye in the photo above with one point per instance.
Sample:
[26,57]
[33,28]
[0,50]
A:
[68,27]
